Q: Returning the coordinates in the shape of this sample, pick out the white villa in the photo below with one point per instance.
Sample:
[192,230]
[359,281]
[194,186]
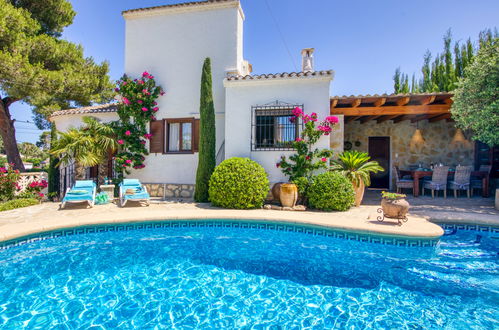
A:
[252,111]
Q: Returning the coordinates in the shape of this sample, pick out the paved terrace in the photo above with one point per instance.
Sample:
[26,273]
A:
[46,217]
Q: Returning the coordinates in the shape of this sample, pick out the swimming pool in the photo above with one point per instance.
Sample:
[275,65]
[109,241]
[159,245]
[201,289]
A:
[243,277]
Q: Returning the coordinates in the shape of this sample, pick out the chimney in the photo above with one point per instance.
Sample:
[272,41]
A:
[307,60]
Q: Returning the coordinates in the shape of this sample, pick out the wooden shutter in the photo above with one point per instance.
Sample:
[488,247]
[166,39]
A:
[195,135]
[157,142]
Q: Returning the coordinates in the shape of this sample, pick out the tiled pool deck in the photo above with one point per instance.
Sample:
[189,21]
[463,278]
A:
[360,222]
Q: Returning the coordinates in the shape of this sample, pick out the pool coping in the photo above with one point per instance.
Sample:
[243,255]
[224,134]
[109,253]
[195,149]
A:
[46,217]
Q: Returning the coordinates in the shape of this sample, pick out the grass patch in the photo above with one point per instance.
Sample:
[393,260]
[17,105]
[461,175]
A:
[18,203]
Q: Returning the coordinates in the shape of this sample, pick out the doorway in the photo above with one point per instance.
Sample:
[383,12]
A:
[379,150]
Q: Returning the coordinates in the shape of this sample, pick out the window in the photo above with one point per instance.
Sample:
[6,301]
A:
[176,135]
[179,135]
[273,128]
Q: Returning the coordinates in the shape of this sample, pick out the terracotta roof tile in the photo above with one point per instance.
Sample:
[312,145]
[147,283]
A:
[177,5]
[281,75]
[109,107]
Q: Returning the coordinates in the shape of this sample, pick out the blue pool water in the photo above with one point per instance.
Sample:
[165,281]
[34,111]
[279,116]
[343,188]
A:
[243,278]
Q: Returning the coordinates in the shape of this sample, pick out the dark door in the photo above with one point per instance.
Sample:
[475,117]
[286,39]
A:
[379,150]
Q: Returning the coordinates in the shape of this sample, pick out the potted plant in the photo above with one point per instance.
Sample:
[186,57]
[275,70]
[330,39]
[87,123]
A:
[357,168]
[394,205]
[300,166]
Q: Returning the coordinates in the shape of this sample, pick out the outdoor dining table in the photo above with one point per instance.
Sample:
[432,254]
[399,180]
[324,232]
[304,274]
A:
[421,173]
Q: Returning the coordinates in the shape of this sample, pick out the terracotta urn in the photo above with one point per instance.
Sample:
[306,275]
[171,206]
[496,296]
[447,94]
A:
[288,194]
[395,208]
[276,191]
[359,193]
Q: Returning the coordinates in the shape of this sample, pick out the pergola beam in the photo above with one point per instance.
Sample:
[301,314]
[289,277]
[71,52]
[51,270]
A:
[436,118]
[392,110]
[401,118]
[350,119]
[334,102]
[403,101]
[427,100]
[379,102]
[355,103]
[386,118]
[368,118]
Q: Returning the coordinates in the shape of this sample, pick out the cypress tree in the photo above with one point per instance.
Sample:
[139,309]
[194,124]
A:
[207,137]
[53,171]
[396,81]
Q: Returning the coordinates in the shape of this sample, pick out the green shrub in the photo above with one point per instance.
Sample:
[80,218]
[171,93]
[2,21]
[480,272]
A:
[238,183]
[18,203]
[331,191]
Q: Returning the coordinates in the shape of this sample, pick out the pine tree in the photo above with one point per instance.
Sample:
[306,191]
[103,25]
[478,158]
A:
[443,73]
[207,139]
[396,81]
[53,171]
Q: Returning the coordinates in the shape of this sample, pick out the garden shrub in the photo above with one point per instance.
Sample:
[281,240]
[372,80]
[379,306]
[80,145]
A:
[331,191]
[18,203]
[238,183]
[8,182]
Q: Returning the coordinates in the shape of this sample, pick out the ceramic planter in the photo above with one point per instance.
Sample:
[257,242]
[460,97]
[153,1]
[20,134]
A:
[359,193]
[395,208]
[276,191]
[288,194]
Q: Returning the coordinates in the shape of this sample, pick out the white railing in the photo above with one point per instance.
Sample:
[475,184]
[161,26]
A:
[26,178]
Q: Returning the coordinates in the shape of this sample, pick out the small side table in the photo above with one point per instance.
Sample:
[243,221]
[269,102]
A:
[109,190]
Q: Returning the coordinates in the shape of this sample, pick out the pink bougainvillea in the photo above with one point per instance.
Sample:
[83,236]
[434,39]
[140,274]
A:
[307,159]
[135,112]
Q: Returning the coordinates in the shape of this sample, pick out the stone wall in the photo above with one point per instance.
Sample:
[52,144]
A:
[438,146]
[170,191]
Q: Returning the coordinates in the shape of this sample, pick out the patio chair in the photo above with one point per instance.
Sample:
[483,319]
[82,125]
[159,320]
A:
[133,190]
[438,181]
[82,191]
[461,180]
[477,183]
[402,183]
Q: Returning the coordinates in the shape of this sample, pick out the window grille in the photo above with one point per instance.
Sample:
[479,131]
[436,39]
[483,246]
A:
[273,127]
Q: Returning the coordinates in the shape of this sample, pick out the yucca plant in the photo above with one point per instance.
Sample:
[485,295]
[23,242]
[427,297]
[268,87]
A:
[88,145]
[357,167]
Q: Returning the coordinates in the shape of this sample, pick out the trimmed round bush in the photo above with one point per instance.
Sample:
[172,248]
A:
[331,191]
[18,203]
[238,183]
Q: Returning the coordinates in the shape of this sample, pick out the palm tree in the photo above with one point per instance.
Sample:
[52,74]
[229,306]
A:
[357,168]
[87,146]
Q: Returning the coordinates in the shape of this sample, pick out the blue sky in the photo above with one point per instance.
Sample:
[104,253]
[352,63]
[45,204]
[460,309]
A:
[362,41]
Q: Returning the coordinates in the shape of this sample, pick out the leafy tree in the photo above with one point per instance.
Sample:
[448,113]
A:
[476,100]
[443,73]
[207,140]
[29,150]
[44,140]
[88,145]
[40,69]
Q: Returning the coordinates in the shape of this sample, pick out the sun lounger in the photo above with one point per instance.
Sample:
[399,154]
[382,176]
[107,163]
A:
[82,191]
[133,190]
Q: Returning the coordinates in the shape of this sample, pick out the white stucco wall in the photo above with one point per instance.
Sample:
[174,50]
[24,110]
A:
[63,123]
[172,45]
[313,93]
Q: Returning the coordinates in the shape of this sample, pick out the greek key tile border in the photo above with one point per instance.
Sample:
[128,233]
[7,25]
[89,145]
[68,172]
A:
[316,231]
[481,228]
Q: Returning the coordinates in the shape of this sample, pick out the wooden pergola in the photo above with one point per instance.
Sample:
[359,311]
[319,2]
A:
[396,107]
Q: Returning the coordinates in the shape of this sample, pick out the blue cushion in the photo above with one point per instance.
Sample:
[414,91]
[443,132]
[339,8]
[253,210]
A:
[131,182]
[84,184]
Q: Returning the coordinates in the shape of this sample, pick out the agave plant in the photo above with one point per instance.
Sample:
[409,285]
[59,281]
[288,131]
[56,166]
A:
[88,145]
[357,167]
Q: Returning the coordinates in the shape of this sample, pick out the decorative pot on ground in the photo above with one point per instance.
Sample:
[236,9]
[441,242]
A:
[394,206]
[359,192]
[276,191]
[288,194]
